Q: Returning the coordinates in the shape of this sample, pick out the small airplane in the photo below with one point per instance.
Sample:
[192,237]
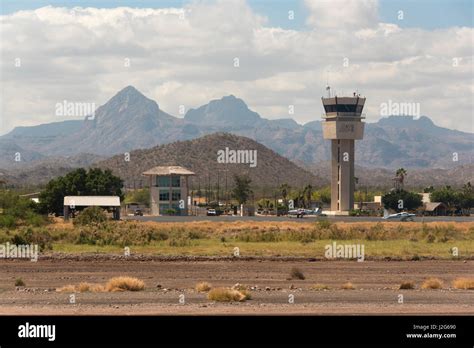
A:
[299,213]
[403,216]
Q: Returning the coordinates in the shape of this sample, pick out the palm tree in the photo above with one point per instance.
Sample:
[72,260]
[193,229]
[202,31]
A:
[356,182]
[284,191]
[400,177]
[307,193]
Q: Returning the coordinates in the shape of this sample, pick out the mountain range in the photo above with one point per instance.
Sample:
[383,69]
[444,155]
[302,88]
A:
[131,121]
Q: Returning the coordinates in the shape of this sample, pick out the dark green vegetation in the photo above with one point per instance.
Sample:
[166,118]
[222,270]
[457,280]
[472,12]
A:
[454,199]
[80,182]
[400,200]
[241,191]
[17,211]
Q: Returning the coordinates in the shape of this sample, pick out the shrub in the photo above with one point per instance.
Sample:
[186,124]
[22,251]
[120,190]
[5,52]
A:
[203,287]
[86,287]
[432,283]
[7,221]
[179,242]
[91,216]
[243,290]
[319,287]
[407,285]
[348,286]
[296,273]
[430,238]
[170,212]
[19,282]
[464,283]
[124,284]
[324,224]
[67,288]
[226,295]
[30,235]
[35,220]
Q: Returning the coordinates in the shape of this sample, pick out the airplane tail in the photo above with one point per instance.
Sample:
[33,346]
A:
[385,213]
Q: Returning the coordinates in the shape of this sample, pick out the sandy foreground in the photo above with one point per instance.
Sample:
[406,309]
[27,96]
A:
[170,287]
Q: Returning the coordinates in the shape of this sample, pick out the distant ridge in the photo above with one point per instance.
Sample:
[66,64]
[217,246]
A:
[200,156]
[130,121]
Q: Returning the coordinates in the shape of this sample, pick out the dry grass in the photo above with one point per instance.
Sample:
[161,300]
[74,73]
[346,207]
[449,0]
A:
[319,287]
[113,285]
[124,284]
[296,273]
[82,287]
[348,286]
[227,295]
[67,288]
[203,287]
[464,283]
[407,285]
[285,230]
[432,283]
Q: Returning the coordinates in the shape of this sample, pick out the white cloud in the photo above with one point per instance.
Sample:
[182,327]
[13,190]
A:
[342,14]
[186,57]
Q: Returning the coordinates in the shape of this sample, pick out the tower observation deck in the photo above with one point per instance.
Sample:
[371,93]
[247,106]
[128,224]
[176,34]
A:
[343,125]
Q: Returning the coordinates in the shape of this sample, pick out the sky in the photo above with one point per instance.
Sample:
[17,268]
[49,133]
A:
[275,55]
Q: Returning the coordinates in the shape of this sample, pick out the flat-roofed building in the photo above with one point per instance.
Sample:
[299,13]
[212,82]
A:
[71,202]
[169,190]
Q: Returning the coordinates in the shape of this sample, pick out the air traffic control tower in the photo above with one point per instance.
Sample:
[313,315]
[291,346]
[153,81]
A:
[343,125]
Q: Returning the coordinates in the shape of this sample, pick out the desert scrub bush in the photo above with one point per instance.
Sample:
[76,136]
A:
[19,282]
[181,241]
[91,216]
[124,284]
[113,285]
[464,283]
[323,224]
[319,287]
[88,287]
[432,283]
[82,287]
[337,233]
[259,236]
[376,232]
[203,287]
[407,285]
[348,286]
[35,220]
[7,221]
[196,235]
[4,236]
[226,295]
[30,235]
[296,273]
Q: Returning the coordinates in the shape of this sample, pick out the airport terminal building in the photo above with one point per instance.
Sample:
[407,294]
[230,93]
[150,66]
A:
[169,190]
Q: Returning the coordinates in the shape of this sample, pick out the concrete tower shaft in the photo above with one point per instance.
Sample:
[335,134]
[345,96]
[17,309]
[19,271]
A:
[343,125]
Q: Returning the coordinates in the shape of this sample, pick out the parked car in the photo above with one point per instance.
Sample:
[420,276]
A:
[211,212]
[138,212]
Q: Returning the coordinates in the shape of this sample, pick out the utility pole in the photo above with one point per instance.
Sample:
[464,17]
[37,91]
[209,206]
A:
[218,188]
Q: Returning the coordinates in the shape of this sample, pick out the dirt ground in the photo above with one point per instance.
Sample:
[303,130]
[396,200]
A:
[376,287]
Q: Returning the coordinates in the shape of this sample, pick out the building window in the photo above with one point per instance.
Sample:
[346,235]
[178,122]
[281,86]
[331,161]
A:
[164,195]
[175,181]
[162,181]
[176,195]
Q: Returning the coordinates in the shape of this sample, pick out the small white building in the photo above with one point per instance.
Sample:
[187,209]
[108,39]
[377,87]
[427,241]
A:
[71,202]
